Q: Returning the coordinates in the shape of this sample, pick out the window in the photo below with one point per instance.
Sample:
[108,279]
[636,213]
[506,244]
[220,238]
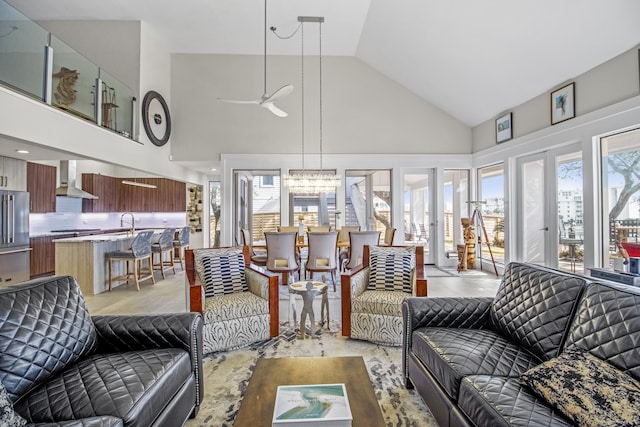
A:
[491,192]
[267,181]
[620,192]
[456,196]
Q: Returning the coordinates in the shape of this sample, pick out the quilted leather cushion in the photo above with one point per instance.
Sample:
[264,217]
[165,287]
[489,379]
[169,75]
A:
[379,302]
[233,306]
[534,305]
[587,390]
[134,386]
[500,401]
[451,354]
[607,325]
[44,328]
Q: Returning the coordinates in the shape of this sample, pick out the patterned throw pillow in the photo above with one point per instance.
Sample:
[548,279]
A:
[221,271]
[587,390]
[8,416]
[391,268]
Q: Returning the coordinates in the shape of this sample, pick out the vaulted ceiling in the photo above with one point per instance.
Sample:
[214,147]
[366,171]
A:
[473,59]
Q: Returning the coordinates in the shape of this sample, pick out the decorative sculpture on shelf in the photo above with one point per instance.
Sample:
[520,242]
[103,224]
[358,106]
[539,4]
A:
[65,93]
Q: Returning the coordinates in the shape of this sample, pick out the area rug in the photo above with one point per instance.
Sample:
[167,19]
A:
[227,374]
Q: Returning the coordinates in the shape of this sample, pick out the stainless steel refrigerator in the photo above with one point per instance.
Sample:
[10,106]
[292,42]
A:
[14,237]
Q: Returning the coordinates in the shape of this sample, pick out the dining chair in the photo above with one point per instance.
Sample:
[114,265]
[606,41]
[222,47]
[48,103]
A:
[140,250]
[288,228]
[357,241]
[258,258]
[322,254]
[320,228]
[164,246]
[281,254]
[344,232]
[389,232]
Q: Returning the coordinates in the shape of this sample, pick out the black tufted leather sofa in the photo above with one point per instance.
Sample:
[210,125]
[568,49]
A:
[465,355]
[63,367]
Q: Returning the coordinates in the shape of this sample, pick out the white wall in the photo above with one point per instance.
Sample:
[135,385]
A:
[606,84]
[363,111]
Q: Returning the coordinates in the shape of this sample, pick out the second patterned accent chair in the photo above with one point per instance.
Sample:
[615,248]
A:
[372,295]
[239,304]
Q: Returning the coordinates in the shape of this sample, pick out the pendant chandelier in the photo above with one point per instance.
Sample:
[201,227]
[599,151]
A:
[312,182]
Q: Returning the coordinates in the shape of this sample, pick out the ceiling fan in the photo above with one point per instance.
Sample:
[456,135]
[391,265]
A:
[267,101]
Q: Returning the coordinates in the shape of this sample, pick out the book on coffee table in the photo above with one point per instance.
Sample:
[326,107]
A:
[323,405]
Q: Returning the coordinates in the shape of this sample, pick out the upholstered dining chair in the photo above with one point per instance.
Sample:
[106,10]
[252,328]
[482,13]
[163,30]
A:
[258,258]
[372,295]
[357,242]
[164,249]
[343,235]
[180,244]
[281,254]
[238,303]
[140,251]
[319,228]
[323,248]
[288,228]
[389,232]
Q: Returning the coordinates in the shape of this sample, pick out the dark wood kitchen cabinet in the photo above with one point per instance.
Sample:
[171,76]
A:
[43,261]
[41,185]
[114,196]
[106,188]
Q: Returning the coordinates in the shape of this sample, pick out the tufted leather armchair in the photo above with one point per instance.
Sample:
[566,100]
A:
[63,367]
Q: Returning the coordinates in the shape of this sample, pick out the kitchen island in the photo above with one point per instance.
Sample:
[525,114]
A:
[84,258]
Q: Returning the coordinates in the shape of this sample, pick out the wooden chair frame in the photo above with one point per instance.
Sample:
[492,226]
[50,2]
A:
[196,289]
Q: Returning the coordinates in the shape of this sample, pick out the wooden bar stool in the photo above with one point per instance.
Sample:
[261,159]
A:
[181,244]
[163,246]
[140,250]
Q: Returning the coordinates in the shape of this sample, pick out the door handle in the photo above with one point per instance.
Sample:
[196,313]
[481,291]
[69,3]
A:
[544,229]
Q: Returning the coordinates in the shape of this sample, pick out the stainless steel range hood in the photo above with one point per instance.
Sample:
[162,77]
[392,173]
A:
[68,181]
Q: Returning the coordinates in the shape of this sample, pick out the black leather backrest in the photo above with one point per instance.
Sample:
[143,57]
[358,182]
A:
[44,327]
[534,305]
[607,325]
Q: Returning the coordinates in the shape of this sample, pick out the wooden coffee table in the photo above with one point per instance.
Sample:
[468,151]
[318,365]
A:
[257,404]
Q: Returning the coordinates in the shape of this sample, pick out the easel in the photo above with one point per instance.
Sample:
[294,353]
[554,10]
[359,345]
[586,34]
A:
[480,221]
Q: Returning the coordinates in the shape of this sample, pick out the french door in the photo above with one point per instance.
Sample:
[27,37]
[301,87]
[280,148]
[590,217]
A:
[549,208]
[419,211]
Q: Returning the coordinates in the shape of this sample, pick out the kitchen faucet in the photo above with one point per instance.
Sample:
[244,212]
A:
[132,229]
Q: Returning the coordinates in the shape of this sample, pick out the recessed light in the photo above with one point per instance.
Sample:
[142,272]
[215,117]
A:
[23,151]
[213,169]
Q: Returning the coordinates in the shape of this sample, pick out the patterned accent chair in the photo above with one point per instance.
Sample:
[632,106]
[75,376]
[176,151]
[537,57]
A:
[372,295]
[239,304]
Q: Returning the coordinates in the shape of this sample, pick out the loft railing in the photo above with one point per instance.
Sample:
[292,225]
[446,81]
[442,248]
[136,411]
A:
[36,63]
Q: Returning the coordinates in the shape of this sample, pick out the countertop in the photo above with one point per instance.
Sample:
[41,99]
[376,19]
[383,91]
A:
[107,237]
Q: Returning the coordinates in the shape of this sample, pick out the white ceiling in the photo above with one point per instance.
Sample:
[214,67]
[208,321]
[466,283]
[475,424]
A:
[473,59]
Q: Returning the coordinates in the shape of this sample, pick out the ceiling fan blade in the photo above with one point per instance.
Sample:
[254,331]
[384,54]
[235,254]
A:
[275,110]
[233,101]
[279,94]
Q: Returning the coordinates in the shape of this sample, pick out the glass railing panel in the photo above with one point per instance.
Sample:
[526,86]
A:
[22,45]
[74,79]
[117,105]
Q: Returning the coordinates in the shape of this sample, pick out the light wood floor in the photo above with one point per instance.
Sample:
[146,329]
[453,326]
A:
[169,295]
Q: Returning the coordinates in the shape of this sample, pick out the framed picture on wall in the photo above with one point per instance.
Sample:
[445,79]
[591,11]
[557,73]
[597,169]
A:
[504,128]
[563,104]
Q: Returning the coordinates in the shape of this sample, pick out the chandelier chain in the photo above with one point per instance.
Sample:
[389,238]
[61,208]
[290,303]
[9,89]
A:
[302,91]
[320,96]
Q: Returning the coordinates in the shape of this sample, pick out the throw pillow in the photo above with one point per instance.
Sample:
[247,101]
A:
[221,271]
[589,391]
[391,268]
[8,416]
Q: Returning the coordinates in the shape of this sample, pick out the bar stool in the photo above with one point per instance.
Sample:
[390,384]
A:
[140,250]
[163,246]
[181,243]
